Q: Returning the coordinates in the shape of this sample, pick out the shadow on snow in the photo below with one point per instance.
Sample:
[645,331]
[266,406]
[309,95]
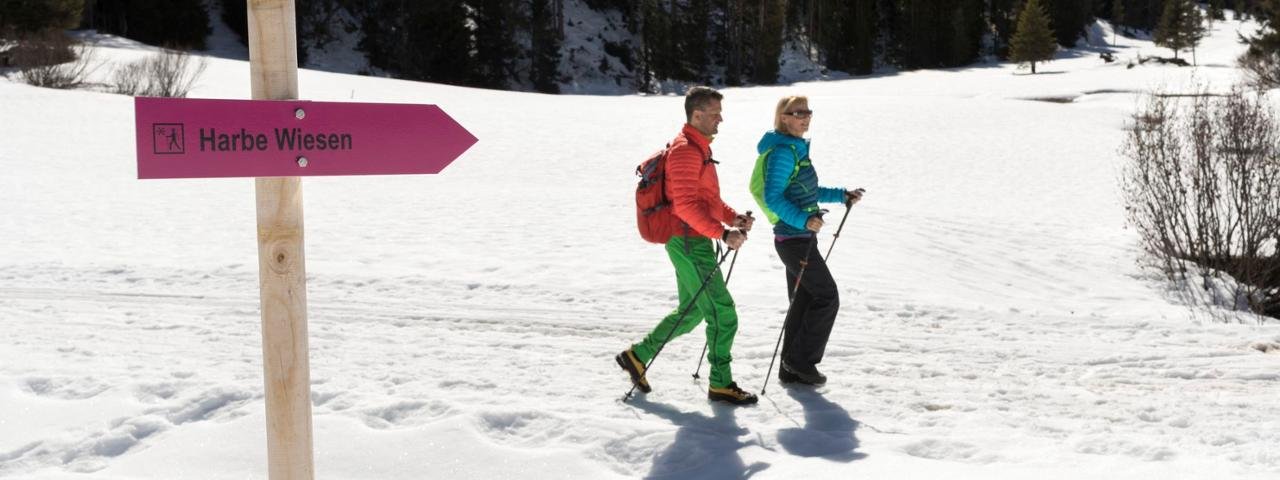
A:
[707,447]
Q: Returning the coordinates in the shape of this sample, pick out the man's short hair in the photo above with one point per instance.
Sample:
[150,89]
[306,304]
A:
[698,98]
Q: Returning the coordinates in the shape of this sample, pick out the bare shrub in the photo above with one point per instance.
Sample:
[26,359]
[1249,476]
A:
[130,79]
[172,73]
[169,73]
[54,60]
[1202,186]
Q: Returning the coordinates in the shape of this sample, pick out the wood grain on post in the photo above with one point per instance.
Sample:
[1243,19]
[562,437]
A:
[273,68]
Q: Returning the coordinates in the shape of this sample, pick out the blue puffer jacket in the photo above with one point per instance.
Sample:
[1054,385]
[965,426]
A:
[793,200]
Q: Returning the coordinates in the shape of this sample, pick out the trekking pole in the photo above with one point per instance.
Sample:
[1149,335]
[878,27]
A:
[847,207]
[705,343]
[795,291]
[692,301]
[727,276]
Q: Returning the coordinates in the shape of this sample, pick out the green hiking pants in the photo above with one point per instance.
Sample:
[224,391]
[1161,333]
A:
[713,305]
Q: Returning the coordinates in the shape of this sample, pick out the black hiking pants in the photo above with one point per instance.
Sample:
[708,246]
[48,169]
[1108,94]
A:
[813,313]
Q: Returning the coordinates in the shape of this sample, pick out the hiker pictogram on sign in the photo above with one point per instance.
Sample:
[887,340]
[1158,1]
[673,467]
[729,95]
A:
[167,139]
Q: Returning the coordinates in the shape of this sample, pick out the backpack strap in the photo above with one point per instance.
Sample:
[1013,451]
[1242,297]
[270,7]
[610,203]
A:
[795,170]
[684,226]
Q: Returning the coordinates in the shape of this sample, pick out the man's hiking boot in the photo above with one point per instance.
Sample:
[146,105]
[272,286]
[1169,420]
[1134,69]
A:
[732,394]
[634,367]
[810,376]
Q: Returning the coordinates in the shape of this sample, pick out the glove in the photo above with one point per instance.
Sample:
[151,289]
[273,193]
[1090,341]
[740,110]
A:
[814,224]
[744,221]
[853,196]
[733,238]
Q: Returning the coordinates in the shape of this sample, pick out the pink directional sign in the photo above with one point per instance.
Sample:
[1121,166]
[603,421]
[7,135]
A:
[194,138]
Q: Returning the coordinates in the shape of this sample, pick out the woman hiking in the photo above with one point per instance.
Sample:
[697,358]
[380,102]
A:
[791,195]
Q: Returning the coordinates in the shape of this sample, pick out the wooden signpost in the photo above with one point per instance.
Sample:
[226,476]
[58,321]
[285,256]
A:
[277,139]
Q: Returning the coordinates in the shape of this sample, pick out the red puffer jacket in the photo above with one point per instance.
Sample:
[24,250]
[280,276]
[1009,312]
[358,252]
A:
[694,188]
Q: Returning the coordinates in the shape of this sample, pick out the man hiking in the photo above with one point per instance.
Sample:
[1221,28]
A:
[694,192]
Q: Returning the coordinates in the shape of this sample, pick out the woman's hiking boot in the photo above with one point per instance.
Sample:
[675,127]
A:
[791,374]
[785,376]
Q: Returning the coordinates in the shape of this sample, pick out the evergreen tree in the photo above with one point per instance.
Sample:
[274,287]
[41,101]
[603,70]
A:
[169,23]
[1196,26]
[935,33]
[419,40]
[1262,59]
[769,41]
[1068,18]
[865,19]
[737,35]
[1034,40]
[235,14]
[693,26]
[717,42]
[650,26]
[544,25]
[749,38]
[19,18]
[1117,19]
[672,41]
[845,30]
[1267,38]
[1143,14]
[1003,18]
[964,26]
[1217,10]
[316,20]
[914,35]
[1181,27]
[495,50]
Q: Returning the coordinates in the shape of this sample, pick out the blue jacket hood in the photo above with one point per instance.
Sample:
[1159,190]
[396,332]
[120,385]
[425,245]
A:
[773,138]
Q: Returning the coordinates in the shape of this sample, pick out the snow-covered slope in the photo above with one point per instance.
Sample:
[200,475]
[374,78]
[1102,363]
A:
[994,321]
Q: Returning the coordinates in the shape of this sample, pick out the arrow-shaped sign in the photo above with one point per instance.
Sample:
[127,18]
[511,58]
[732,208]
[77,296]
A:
[197,138]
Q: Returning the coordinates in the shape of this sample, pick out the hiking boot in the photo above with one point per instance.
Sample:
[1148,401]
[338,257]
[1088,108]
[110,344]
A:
[807,376]
[785,376]
[732,394]
[634,367]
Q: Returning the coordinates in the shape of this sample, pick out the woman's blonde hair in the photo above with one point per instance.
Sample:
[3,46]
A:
[783,105]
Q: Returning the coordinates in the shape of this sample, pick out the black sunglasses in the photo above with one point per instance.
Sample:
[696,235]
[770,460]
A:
[801,114]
